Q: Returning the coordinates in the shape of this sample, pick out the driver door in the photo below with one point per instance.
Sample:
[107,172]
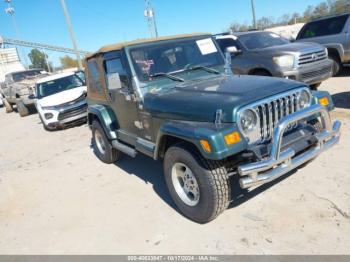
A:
[121,97]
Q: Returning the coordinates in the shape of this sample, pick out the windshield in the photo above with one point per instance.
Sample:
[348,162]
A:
[261,40]
[58,85]
[17,77]
[171,58]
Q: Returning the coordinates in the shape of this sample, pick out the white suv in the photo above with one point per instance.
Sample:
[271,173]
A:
[61,100]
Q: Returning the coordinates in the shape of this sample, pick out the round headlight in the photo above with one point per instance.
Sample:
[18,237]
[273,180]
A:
[304,99]
[248,120]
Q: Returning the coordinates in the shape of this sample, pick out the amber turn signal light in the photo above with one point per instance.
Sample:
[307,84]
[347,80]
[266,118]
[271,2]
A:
[232,138]
[324,101]
[205,145]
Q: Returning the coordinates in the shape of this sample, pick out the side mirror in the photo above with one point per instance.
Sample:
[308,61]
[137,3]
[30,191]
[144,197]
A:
[232,50]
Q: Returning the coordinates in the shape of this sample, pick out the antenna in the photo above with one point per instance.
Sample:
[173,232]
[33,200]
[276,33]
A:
[151,20]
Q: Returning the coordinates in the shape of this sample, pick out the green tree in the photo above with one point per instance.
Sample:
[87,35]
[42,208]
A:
[321,9]
[265,22]
[339,6]
[68,62]
[38,59]
[328,7]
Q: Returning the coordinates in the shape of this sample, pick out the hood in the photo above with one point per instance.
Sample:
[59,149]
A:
[292,47]
[62,97]
[199,101]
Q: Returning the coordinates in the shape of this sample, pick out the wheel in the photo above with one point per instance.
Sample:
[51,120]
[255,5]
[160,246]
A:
[8,106]
[101,145]
[337,66]
[315,86]
[22,109]
[199,187]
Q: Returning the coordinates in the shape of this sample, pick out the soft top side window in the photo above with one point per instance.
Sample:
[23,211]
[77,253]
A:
[93,77]
[115,71]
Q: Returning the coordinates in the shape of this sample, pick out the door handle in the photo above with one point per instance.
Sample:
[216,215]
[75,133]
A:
[126,94]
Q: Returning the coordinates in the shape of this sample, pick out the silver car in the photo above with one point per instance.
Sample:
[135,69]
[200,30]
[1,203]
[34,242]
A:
[268,54]
[333,32]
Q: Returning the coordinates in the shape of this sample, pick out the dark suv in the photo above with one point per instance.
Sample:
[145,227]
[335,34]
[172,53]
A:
[334,33]
[268,54]
[175,99]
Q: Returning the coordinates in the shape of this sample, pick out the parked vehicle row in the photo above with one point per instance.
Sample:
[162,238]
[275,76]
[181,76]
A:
[209,107]
[60,99]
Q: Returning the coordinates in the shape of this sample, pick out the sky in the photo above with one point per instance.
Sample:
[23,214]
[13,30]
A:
[100,22]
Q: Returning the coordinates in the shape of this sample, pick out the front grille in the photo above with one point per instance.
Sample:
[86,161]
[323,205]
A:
[312,57]
[272,111]
[73,112]
[316,73]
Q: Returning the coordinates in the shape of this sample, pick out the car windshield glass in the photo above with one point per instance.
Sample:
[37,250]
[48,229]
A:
[173,57]
[25,75]
[58,85]
[262,40]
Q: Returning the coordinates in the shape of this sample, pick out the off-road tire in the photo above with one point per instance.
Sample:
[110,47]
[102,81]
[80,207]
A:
[110,155]
[22,109]
[212,178]
[8,106]
[337,65]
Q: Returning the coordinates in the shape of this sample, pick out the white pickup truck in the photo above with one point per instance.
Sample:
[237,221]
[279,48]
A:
[61,100]
[18,90]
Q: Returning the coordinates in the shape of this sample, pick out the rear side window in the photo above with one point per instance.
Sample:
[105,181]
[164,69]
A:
[94,76]
[227,42]
[330,26]
[116,73]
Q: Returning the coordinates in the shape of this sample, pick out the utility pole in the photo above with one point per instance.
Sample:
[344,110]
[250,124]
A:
[46,60]
[254,16]
[71,32]
[151,19]
[11,11]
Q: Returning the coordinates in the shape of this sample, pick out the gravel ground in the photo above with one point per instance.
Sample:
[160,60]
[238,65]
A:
[58,198]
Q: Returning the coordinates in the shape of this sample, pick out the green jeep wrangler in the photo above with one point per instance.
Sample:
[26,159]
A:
[175,99]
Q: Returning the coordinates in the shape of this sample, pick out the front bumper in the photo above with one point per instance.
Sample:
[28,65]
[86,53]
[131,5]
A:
[66,116]
[281,162]
[311,74]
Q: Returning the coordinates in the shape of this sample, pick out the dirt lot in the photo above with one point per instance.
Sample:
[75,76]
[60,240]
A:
[56,197]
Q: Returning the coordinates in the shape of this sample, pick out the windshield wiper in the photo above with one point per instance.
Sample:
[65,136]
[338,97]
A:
[175,78]
[205,68]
